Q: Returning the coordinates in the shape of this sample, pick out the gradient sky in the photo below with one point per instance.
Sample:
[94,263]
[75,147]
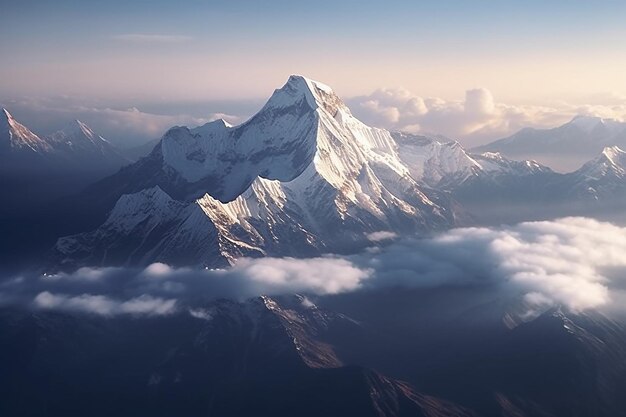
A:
[150,53]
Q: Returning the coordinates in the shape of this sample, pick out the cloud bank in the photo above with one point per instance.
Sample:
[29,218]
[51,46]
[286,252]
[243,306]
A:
[578,263]
[476,119]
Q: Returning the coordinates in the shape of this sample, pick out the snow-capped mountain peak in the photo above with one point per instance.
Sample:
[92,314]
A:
[616,155]
[314,93]
[5,117]
[76,126]
[611,162]
[77,130]
[14,135]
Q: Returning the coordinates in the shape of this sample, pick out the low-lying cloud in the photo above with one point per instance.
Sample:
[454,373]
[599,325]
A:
[103,305]
[575,262]
[578,263]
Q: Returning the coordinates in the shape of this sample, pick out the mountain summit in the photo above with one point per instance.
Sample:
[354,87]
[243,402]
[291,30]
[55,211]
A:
[18,139]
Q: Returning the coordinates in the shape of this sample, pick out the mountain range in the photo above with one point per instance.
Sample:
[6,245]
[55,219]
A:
[303,177]
[451,356]
[566,147]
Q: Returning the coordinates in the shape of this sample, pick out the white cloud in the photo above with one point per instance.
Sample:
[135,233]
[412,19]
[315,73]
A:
[477,119]
[381,235]
[559,262]
[151,38]
[318,275]
[105,306]
[575,262]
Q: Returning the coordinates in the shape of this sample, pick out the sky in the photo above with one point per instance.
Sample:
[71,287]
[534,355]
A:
[133,68]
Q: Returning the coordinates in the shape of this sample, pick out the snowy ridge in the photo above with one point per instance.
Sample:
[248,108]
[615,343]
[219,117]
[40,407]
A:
[612,161]
[447,164]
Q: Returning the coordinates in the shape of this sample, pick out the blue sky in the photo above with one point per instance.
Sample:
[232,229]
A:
[147,53]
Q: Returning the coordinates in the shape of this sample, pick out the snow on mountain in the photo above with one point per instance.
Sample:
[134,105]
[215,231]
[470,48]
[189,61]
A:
[301,176]
[150,225]
[495,163]
[445,164]
[611,162]
[82,146]
[18,145]
[303,124]
[75,148]
[603,178]
[567,146]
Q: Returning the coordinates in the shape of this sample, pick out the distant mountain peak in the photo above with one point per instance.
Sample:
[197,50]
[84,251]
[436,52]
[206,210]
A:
[76,128]
[588,123]
[14,135]
[611,162]
[5,116]
[614,153]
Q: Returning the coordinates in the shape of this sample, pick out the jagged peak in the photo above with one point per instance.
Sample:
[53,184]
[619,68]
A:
[5,116]
[612,159]
[613,153]
[299,88]
[76,126]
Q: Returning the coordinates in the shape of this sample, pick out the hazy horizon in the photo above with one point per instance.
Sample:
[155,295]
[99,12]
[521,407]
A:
[133,69]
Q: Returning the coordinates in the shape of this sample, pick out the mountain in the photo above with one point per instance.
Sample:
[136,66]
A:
[453,353]
[604,177]
[262,357]
[76,148]
[85,150]
[463,345]
[35,172]
[446,165]
[302,176]
[20,149]
[565,147]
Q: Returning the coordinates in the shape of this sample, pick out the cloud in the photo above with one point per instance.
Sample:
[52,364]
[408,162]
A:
[143,38]
[563,262]
[578,263]
[476,119]
[382,235]
[105,306]
[160,289]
